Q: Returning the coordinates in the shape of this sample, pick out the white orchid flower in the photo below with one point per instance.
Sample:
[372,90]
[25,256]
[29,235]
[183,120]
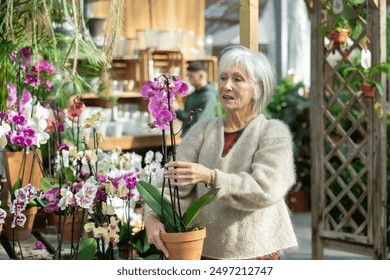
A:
[4,128]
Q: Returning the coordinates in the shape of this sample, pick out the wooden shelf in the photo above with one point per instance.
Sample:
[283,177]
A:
[123,94]
[124,57]
[128,142]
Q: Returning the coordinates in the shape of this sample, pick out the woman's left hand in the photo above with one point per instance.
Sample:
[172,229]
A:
[186,173]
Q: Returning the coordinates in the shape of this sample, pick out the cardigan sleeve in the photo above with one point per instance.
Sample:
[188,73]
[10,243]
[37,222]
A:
[272,173]
[192,142]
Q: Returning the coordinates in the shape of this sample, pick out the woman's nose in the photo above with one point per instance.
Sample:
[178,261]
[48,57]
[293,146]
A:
[227,84]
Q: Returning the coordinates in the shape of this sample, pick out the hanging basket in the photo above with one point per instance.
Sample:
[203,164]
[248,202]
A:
[20,233]
[184,245]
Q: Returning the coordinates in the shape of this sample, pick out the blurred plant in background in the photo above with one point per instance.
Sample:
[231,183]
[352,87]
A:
[291,106]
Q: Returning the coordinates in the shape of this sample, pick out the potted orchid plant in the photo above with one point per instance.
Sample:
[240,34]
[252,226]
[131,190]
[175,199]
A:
[364,79]
[23,129]
[161,93]
[101,186]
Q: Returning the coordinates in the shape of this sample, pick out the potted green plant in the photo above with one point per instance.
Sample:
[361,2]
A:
[289,105]
[339,22]
[364,78]
[180,229]
[336,26]
[178,226]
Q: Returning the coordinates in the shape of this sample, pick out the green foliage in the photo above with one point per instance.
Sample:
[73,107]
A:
[130,242]
[366,76]
[87,250]
[158,203]
[164,210]
[344,20]
[52,44]
[289,106]
[388,38]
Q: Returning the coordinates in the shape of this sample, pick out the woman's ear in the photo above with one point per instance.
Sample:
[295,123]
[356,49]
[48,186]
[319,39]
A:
[261,86]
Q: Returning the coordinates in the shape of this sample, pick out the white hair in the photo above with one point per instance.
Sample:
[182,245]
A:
[260,70]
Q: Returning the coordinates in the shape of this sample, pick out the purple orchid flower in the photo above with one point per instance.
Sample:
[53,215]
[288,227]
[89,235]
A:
[52,206]
[39,245]
[53,194]
[63,147]
[11,94]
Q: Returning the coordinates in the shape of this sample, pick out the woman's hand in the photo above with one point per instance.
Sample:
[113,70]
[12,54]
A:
[187,173]
[153,228]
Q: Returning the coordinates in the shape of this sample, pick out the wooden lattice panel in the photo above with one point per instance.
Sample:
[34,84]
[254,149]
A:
[345,199]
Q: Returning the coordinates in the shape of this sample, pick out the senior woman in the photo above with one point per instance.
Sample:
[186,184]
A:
[248,157]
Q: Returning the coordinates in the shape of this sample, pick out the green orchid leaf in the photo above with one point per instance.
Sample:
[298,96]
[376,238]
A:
[198,225]
[348,70]
[87,249]
[69,174]
[124,233]
[16,186]
[384,68]
[32,203]
[195,207]
[152,197]
[153,257]
[379,87]
[141,241]
[40,202]
[137,258]
[46,183]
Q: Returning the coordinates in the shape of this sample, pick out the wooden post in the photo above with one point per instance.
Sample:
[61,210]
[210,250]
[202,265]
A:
[249,20]
[316,141]
[377,10]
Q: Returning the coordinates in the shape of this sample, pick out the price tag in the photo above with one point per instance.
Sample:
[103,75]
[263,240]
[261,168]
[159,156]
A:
[366,59]
[338,6]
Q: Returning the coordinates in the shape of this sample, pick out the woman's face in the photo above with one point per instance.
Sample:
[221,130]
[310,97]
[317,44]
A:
[235,90]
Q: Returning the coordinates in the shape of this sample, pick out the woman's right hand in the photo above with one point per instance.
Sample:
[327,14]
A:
[153,228]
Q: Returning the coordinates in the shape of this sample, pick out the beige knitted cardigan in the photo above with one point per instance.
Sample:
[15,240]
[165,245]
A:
[249,217]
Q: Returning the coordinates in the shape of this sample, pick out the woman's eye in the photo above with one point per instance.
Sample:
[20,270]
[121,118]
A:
[222,78]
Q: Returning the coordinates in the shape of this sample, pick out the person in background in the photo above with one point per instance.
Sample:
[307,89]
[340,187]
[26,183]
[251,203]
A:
[201,102]
[244,154]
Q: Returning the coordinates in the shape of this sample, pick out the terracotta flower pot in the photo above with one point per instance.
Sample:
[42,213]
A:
[298,201]
[67,232]
[368,90]
[340,36]
[21,233]
[13,163]
[184,245]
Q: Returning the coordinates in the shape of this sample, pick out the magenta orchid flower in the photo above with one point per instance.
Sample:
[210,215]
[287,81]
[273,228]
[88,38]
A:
[42,66]
[52,206]
[11,100]
[163,118]
[25,58]
[161,94]
[39,245]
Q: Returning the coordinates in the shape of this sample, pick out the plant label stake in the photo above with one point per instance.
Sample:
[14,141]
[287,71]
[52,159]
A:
[338,6]
[366,55]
